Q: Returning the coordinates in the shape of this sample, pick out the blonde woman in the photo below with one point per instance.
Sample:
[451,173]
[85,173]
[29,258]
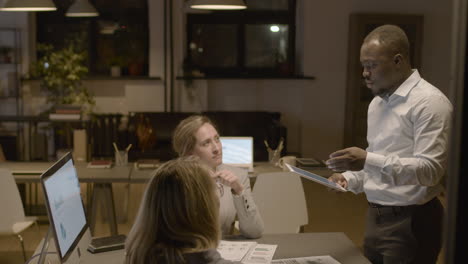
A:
[197,136]
[178,219]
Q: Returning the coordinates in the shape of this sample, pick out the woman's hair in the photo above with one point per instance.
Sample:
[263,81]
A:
[183,139]
[178,214]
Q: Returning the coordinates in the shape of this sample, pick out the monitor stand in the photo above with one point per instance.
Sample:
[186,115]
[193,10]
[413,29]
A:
[45,246]
[74,257]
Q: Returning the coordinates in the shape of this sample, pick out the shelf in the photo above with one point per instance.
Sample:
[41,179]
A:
[107,78]
[36,119]
[265,77]
[125,78]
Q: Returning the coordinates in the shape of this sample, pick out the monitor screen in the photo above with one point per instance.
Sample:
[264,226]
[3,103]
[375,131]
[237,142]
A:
[64,205]
[238,151]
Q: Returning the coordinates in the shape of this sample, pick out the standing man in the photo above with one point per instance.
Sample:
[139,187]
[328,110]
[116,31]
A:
[402,168]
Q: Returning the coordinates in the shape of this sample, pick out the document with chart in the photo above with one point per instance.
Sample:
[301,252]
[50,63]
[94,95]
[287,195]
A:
[247,252]
[307,260]
[235,250]
[316,178]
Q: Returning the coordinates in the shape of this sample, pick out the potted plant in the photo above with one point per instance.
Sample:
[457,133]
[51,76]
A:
[61,72]
[115,64]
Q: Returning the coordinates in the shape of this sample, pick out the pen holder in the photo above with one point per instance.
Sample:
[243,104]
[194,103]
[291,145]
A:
[273,156]
[121,158]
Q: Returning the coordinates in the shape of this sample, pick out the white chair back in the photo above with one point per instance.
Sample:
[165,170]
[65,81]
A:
[11,206]
[280,199]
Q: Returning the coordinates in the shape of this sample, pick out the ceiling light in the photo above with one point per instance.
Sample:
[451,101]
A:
[82,8]
[28,5]
[218,4]
[274,28]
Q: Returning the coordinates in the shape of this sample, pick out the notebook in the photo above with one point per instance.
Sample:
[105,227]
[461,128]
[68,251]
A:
[238,151]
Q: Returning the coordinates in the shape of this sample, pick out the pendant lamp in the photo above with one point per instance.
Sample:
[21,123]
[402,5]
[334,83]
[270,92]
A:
[82,8]
[218,4]
[28,5]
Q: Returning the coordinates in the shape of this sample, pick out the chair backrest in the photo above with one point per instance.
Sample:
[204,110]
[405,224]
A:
[280,199]
[11,206]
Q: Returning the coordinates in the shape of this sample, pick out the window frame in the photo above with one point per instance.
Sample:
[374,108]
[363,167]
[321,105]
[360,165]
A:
[241,19]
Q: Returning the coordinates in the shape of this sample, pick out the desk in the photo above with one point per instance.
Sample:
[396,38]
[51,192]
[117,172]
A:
[30,172]
[144,175]
[101,179]
[336,245]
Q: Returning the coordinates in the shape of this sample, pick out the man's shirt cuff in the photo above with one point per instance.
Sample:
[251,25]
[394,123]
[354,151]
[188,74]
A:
[374,162]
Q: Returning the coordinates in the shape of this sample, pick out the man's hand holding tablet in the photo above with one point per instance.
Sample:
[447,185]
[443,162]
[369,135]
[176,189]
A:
[319,179]
[339,179]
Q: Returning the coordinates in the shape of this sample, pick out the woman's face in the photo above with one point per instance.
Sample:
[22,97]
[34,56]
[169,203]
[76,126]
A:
[208,146]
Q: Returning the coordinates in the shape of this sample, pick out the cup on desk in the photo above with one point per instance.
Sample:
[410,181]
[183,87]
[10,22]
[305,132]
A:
[291,160]
[121,158]
[273,156]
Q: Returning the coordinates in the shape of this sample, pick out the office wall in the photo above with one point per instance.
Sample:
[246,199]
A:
[313,111]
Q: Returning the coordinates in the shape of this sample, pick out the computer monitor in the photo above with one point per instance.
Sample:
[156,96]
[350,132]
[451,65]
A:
[65,207]
[238,151]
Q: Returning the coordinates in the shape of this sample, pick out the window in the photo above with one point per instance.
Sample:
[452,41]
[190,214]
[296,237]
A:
[117,37]
[258,41]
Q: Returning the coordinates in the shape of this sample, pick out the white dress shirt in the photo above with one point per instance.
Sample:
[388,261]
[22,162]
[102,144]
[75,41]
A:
[407,134]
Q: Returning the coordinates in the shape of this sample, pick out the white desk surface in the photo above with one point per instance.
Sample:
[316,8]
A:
[31,172]
[337,245]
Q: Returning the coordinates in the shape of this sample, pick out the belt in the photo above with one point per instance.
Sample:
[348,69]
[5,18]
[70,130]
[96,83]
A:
[395,209]
[374,205]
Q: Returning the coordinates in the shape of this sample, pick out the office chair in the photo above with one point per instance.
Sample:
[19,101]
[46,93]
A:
[13,221]
[280,199]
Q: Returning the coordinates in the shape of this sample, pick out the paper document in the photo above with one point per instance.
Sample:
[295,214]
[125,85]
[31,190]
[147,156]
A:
[246,251]
[307,260]
[316,178]
[260,254]
[235,250]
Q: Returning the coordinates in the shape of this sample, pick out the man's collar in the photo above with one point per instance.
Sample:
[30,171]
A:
[407,85]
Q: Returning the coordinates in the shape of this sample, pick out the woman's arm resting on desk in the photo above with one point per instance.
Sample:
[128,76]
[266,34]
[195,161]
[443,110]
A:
[250,221]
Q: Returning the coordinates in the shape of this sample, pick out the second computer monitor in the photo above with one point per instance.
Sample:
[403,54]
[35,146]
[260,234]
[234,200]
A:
[238,151]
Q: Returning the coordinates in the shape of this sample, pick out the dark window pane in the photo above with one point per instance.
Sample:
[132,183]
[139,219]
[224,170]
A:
[121,43]
[117,37]
[267,4]
[258,41]
[214,45]
[266,45]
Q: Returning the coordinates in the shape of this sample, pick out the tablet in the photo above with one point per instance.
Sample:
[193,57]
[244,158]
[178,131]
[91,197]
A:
[316,178]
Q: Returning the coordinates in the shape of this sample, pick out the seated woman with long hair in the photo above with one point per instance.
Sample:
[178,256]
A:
[178,218]
[197,136]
